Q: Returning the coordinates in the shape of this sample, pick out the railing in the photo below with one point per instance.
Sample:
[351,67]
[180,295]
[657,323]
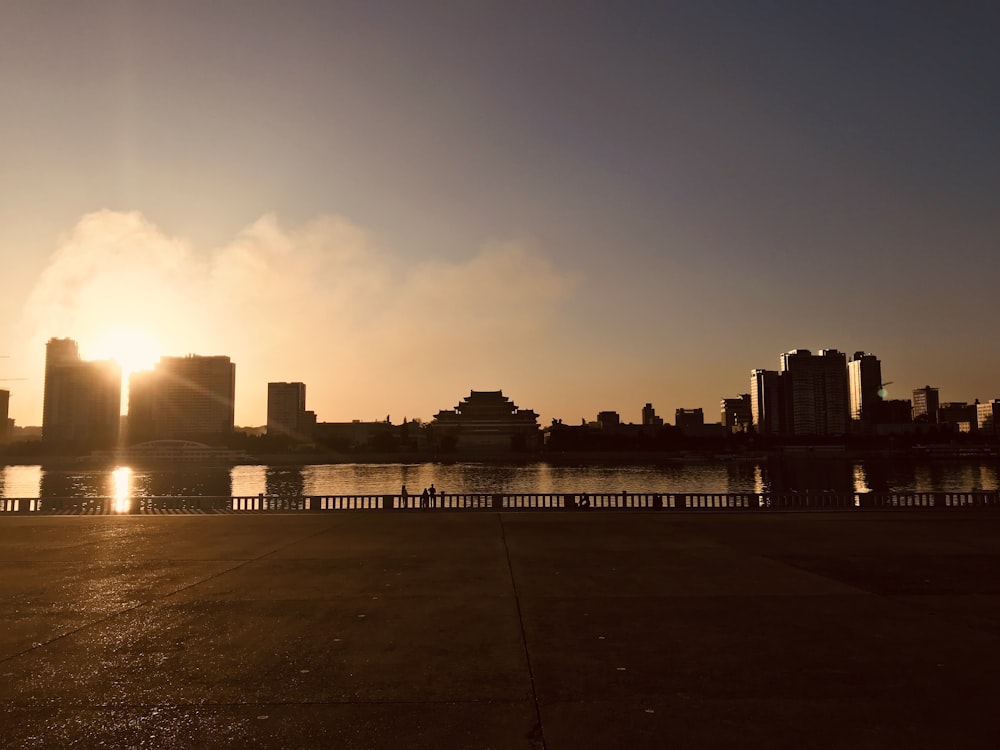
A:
[643,501]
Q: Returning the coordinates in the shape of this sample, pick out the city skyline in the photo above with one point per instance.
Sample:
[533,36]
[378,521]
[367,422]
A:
[809,395]
[592,210]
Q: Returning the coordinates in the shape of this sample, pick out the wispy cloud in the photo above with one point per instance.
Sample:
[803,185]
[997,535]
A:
[367,330]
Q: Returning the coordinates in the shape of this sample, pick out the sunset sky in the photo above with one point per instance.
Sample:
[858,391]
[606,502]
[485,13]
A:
[588,205]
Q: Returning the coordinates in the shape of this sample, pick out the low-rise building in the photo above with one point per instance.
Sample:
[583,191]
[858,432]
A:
[736,413]
[487,420]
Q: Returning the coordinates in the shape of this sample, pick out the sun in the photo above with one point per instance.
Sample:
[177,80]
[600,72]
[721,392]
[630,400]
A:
[133,349]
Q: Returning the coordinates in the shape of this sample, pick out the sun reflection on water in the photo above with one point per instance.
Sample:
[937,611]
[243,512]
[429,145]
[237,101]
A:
[122,477]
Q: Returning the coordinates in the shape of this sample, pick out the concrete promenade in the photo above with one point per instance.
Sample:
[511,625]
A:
[557,630]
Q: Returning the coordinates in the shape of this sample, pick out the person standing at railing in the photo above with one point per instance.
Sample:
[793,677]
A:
[425,497]
[433,493]
[404,496]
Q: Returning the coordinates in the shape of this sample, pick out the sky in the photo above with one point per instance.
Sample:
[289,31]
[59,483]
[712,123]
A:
[588,205]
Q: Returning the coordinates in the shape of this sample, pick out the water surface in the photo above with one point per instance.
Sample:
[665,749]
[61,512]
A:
[377,479]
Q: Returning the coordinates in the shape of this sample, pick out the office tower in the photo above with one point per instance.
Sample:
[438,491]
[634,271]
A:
[286,409]
[649,418]
[190,397]
[815,393]
[864,377]
[737,413]
[925,405]
[765,402]
[82,399]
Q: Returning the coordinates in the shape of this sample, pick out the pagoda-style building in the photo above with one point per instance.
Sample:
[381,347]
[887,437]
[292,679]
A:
[487,420]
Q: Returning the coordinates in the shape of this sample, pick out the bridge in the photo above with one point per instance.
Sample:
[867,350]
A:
[621,501]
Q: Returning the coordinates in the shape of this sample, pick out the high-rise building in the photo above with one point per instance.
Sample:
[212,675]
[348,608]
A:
[737,413]
[183,397]
[82,399]
[815,393]
[925,405]
[864,378]
[765,402]
[286,410]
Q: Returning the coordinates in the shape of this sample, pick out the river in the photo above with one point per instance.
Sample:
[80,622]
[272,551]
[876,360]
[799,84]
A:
[720,476]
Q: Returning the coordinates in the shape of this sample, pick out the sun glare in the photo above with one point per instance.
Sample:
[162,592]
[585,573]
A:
[122,477]
[133,350]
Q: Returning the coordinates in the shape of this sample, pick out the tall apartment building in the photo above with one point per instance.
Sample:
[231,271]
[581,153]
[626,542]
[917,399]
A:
[815,392]
[286,410]
[765,402]
[988,417]
[82,399]
[189,397]
[864,379]
[925,405]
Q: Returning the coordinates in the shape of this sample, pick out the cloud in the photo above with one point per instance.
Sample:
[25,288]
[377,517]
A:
[368,330]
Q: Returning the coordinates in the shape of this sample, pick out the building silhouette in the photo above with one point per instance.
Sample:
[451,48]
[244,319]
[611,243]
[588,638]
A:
[689,418]
[864,381]
[815,393]
[6,424]
[487,419]
[925,404]
[609,420]
[895,411]
[736,414]
[766,402]
[988,417]
[649,418]
[807,396]
[81,403]
[958,415]
[189,397]
[286,411]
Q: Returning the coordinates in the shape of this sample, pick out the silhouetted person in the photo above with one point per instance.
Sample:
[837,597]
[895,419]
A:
[404,495]
[425,497]
[433,494]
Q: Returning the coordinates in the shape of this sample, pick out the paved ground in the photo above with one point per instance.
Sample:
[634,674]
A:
[549,630]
